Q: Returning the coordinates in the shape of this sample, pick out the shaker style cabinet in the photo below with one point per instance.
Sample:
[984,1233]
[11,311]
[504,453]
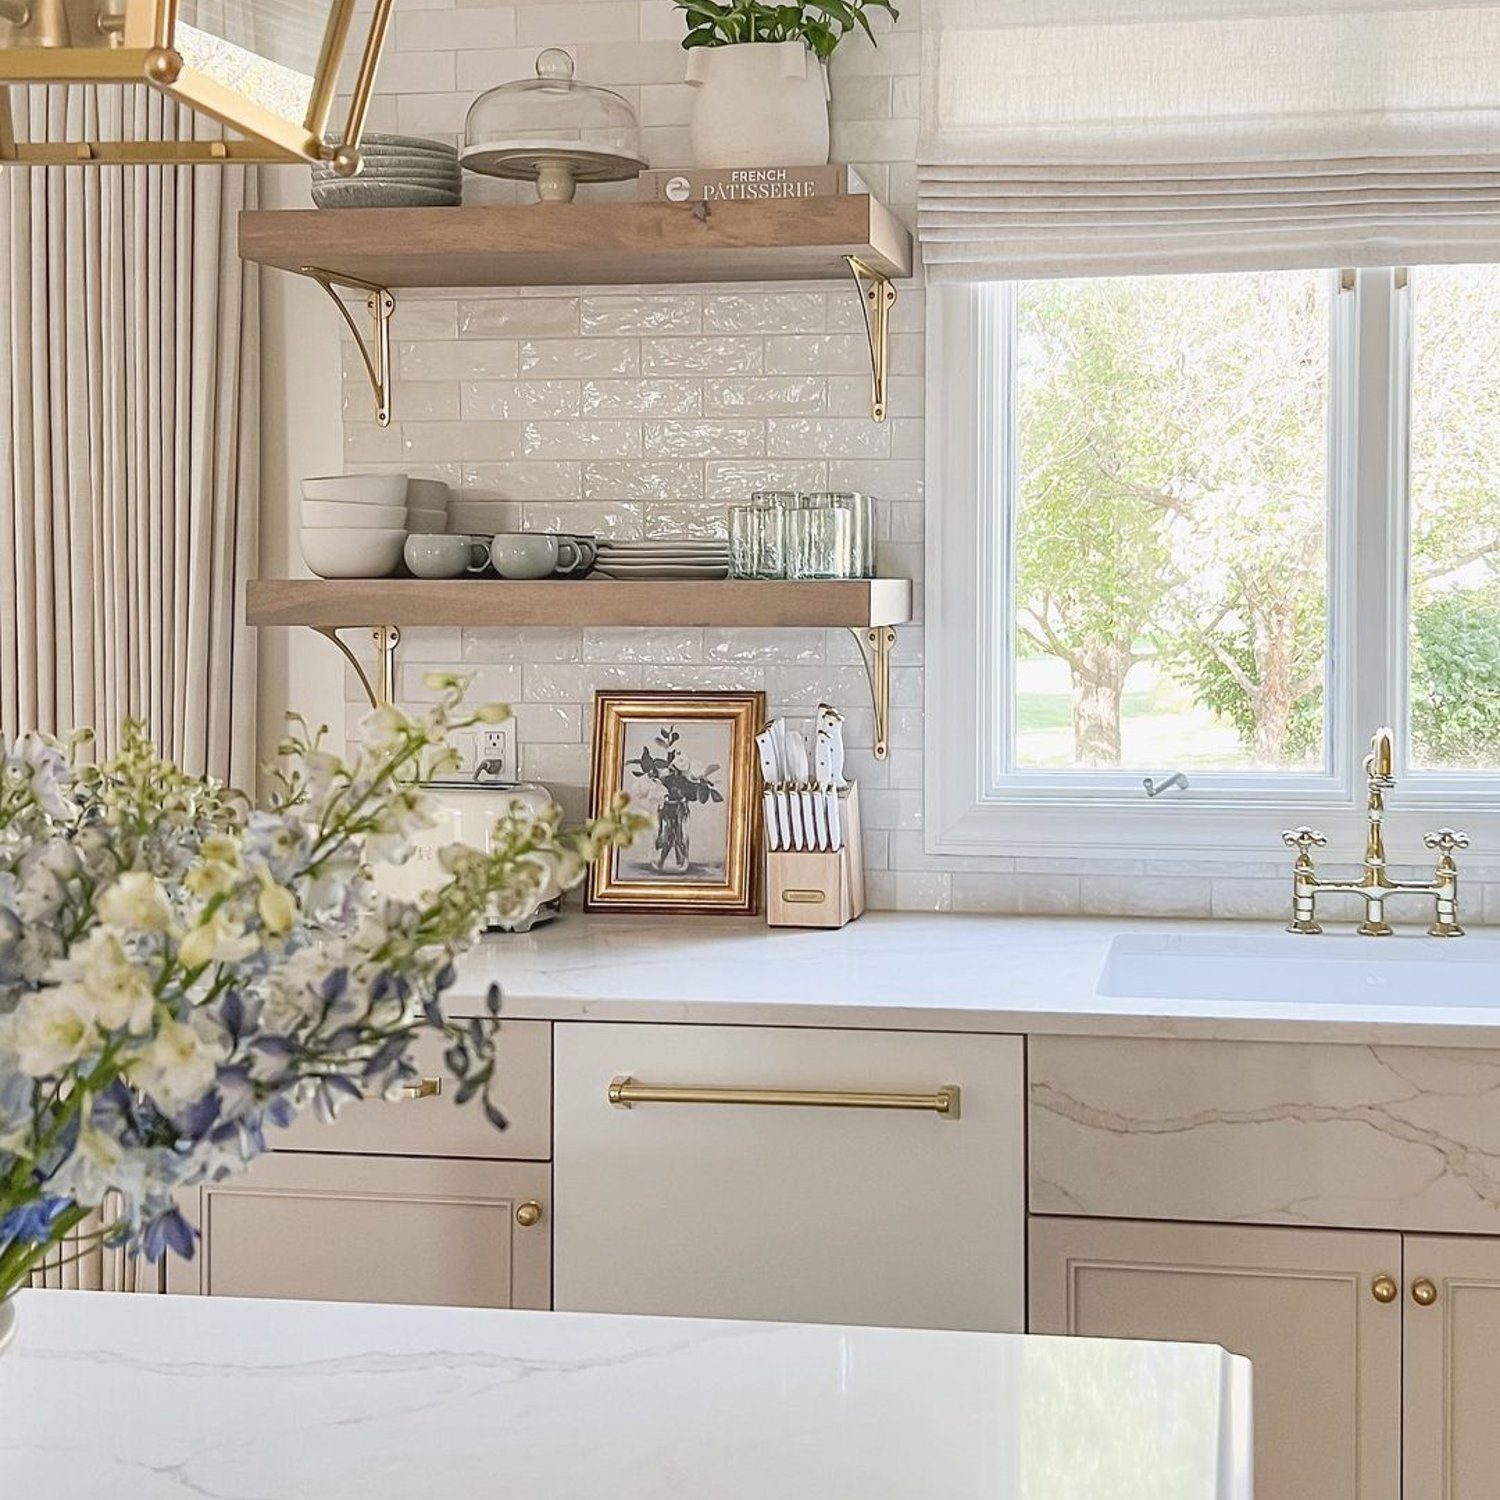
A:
[1374,1354]
[407,1200]
[1451,1375]
[1325,1354]
[375,1229]
[714,1187]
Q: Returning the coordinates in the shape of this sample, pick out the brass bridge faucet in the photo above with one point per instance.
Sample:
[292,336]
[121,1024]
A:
[1375,885]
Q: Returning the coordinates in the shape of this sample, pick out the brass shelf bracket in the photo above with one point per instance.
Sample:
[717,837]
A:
[382,691]
[375,349]
[875,647]
[876,298]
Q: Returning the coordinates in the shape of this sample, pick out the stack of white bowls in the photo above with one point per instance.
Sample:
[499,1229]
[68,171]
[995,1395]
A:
[354,525]
[427,502]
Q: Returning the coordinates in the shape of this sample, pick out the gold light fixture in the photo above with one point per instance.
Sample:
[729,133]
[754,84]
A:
[264,69]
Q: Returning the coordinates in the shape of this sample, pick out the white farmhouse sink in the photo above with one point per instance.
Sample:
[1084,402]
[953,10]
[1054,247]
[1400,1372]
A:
[1282,968]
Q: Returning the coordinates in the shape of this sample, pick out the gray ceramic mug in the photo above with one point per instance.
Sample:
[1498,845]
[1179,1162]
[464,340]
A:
[444,555]
[576,554]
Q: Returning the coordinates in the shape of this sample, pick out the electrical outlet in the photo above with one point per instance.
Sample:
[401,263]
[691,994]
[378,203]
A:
[496,752]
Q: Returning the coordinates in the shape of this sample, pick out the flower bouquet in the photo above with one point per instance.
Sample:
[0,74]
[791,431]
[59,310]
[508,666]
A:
[180,971]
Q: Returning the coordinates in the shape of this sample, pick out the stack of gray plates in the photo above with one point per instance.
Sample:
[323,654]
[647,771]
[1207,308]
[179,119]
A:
[399,171]
[685,557]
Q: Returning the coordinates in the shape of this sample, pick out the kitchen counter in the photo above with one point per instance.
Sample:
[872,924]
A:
[914,971]
[140,1398]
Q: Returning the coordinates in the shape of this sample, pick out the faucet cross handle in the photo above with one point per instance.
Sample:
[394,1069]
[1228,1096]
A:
[1303,839]
[1446,840]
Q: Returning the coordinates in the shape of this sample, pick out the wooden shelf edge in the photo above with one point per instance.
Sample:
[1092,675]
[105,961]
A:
[584,244]
[497,604]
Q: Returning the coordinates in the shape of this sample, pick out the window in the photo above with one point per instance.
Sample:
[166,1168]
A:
[1222,525]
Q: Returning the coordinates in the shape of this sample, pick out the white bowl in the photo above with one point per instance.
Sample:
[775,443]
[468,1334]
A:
[426,522]
[430,494]
[484,516]
[345,513]
[357,489]
[350,552]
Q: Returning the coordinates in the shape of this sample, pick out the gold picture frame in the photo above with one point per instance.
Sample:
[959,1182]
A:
[689,759]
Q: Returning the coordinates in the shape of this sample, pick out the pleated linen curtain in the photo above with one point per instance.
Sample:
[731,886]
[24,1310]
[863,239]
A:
[1074,137]
[129,441]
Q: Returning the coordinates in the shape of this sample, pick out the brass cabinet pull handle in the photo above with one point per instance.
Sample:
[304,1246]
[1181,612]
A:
[1423,1292]
[1384,1289]
[625,1091]
[422,1088]
[528,1213]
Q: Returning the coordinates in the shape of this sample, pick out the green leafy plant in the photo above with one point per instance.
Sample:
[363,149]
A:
[820,24]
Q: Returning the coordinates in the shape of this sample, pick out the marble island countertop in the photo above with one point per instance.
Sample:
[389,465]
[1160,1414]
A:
[144,1398]
[914,971]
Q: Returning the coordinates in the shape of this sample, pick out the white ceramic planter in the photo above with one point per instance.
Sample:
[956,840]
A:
[758,104]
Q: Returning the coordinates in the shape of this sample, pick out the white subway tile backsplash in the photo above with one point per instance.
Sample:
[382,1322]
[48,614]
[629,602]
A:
[646,411]
[708,355]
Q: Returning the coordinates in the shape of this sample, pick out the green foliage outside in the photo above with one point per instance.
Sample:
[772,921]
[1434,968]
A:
[1171,525]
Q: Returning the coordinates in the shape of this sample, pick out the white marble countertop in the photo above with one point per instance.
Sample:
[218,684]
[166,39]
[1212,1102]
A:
[932,972]
[147,1398]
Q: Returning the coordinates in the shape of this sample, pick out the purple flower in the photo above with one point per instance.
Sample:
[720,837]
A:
[32,1223]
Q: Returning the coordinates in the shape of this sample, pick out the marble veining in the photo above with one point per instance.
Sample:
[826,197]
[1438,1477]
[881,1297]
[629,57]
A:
[146,1398]
[1032,975]
[1357,1136]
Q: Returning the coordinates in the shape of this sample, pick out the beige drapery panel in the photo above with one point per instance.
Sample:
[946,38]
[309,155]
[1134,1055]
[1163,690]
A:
[129,441]
[1077,138]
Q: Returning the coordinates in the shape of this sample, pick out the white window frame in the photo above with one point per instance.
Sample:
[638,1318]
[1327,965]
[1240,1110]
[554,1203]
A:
[976,806]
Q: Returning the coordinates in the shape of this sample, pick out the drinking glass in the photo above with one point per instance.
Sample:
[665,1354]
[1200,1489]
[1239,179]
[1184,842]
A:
[744,542]
[861,510]
[818,542]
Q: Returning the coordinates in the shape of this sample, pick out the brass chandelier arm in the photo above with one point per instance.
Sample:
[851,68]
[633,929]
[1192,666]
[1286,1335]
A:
[381,306]
[876,299]
[875,646]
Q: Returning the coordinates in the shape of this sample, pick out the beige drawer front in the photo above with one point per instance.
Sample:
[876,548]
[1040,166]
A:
[372,1229]
[435,1126]
[1266,1132]
[786,1209]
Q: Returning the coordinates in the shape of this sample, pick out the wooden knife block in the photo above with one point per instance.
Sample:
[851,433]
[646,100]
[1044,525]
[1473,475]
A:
[819,888]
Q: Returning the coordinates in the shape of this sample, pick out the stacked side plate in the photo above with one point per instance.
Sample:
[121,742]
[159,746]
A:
[684,558]
[398,171]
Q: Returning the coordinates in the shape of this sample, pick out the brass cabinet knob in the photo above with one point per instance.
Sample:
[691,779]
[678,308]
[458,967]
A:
[528,1213]
[1423,1292]
[1384,1289]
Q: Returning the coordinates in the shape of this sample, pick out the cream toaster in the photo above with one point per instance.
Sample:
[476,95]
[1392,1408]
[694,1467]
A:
[466,812]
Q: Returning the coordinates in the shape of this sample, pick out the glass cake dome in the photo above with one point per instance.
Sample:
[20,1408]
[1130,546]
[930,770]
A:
[553,130]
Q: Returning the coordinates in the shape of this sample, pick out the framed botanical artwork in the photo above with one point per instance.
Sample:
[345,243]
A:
[689,760]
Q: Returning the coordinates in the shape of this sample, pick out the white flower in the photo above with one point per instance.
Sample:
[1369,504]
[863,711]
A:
[216,940]
[135,903]
[50,1030]
[117,990]
[92,1169]
[278,909]
[177,1067]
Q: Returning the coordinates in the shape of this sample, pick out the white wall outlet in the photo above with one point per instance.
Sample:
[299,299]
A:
[496,755]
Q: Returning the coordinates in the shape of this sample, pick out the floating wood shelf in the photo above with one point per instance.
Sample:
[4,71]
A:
[855,604]
[870,608]
[583,244]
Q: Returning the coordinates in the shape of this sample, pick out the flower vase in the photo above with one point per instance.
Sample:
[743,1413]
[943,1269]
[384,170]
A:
[758,104]
[7,1323]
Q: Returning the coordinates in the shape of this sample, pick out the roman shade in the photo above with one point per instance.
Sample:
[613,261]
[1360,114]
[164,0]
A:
[1079,137]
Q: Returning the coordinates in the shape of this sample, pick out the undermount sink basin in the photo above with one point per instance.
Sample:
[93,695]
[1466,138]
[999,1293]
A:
[1285,969]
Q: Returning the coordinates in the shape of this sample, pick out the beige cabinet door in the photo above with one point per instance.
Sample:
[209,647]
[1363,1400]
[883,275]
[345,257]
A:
[1452,1370]
[1299,1303]
[785,1209]
[375,1229]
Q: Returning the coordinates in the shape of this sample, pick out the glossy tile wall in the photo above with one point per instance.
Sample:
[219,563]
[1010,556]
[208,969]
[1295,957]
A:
[644,412]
